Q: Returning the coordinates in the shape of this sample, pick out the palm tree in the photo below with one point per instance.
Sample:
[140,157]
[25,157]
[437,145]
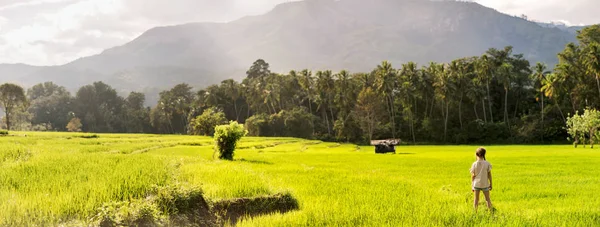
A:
[540,76]
[444,87]
[484,72]
[504,77]
[552,88]
[408,86]
[459,74]
[385,83]
[325,85]
[307,84]
[231,87]
[592,61]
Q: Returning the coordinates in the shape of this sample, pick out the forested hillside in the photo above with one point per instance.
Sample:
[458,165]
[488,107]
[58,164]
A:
[315,35]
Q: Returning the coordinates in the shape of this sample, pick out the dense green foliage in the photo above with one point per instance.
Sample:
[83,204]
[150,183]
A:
[12,97]
[582,128]
[494,98]
[54,179]
[227,138]
[205,124]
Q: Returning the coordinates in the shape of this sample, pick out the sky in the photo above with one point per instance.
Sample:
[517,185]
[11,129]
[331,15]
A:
[54,32]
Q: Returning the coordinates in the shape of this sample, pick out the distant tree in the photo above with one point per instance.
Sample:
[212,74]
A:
[259,69]
[74,125]
[444,88]
[540,76]
[298,123]
[589,35]
[368,112]
[205,124]
[584,127]
[176,105]
[258,125]
[385,82]
[45,89]
[484,68]
[12,96]
[592,62]
[137,117]
[100,108]
[50,105]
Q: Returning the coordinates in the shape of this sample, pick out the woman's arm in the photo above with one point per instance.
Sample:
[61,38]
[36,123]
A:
[490,178]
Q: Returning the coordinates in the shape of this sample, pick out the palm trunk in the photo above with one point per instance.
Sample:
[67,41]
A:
[542,118]
[598,83]
[412,128]
[7,120]
[484,113]
[332,115]
[489,101]
[426,105]
[393,116]
[460,111]
[475,109]
[560,111]
[237,115]
[324,113]
[506,105]
[446,121]
[432,107]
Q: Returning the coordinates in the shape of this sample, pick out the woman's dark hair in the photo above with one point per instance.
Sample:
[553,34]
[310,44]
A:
[480,153]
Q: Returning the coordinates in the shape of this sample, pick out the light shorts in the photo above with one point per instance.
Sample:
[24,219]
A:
[481,189]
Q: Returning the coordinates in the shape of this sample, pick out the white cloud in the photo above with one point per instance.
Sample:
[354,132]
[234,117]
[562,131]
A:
[574,11]
[20,4]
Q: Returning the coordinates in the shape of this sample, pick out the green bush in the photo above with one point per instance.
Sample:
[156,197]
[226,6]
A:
[3,133]
[226,139]
[258,125]
[205,124]
[293,123]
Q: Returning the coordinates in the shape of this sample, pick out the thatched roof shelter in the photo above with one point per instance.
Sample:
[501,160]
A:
[389,142]
[385,146]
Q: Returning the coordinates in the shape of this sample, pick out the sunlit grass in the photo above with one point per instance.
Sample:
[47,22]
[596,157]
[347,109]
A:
[53,178]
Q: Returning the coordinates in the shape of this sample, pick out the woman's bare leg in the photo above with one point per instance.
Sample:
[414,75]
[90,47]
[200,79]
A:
[487,199]
[476,202]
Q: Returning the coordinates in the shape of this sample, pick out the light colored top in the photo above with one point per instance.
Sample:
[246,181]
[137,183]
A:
[481,169]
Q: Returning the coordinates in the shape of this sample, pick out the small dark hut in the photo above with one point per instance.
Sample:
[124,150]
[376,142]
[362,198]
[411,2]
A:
[385,146]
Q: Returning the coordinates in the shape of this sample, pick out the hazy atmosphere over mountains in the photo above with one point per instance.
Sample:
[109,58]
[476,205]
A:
[314,34]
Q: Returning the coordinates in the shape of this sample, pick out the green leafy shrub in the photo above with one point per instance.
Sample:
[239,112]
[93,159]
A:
[258,125]
[205,124]
[293,123]
[3,133]
[226,139]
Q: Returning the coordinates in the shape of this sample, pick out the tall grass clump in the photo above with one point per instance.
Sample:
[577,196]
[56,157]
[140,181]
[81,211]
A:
[226,139]
[176,205]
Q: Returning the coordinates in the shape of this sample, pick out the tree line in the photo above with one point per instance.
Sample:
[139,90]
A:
[498,97]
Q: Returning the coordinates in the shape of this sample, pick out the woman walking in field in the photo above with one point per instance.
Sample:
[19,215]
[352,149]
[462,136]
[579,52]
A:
[481,177]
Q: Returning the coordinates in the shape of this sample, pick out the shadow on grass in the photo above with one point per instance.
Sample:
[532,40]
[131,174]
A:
[255,161]
[234,210]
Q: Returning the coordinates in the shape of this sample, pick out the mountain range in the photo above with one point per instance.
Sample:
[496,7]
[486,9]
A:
[316,34]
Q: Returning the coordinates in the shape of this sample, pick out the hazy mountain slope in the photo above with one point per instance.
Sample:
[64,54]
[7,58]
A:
[314,34]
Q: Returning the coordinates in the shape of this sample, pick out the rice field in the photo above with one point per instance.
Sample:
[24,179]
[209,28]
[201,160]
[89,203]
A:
[60,178]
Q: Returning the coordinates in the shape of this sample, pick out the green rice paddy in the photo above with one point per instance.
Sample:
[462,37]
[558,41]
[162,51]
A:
[58,178]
